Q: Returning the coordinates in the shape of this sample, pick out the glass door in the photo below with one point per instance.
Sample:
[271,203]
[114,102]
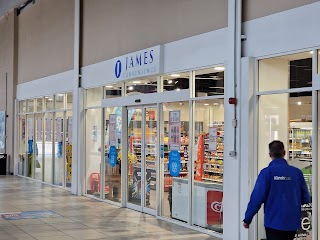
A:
[142,155]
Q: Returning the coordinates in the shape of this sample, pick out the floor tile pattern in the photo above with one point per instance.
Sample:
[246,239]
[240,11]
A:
[80,217]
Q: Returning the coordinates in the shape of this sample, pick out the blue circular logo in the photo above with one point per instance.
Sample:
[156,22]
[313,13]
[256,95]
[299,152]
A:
[117,69]
[174,163]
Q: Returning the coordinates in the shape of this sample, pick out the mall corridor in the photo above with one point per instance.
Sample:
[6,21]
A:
[52,213]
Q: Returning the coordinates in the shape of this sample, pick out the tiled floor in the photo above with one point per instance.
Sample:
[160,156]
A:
[80,217]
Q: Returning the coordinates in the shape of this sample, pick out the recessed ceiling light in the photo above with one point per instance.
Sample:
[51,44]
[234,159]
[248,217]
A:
[130,88]
[109,86]
[311,52]
[178,89]
[169,81]
[206,104]
[136,82]
[299,103]
[175,75]
[220,68]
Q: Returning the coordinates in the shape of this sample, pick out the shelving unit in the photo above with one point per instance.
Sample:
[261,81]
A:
[213,159]
[300,144]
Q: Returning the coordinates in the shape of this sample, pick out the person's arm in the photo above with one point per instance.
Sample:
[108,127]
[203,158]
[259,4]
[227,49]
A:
[305,196]
[258,196]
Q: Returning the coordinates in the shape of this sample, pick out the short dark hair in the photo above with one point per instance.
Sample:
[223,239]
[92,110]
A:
[276,149]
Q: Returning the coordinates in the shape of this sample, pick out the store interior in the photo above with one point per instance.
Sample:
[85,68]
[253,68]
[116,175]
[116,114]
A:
[287,117]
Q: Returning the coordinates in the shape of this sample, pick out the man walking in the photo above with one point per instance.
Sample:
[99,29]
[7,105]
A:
[283,190]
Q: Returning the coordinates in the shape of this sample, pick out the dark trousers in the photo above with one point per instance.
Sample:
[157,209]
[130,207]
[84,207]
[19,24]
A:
[273,234]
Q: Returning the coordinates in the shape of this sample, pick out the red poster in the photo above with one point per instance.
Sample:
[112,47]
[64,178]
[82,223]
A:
[214,207]
[152,115]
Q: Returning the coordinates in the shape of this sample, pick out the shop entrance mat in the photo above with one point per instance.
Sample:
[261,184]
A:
[28,215]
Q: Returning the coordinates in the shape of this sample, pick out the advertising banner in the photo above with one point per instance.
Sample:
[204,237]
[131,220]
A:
[48,129]
[174,130]
[39,129]
[212,139]
[305,232]
[214,207]
[113,129]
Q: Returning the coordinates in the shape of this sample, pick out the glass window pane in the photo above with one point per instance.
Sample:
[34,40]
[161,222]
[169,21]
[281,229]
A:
[286,72]
[112,136]
[142,86]
[59,155]
[30,166]
[39,147]
[69,150]
[112,90]
[176,82]
[208,157]
[39,103]
[175,192]
[59,99]
[48,148]
[288,118]
[48,100]
[22,106]
[30,105]
[209,82]
[69,100]
[93,151]
[94,97]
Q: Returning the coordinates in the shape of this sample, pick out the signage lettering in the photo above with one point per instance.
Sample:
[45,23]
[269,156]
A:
[138,64]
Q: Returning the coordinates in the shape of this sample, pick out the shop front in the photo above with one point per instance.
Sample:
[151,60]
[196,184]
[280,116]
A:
[155,144]
[45,139]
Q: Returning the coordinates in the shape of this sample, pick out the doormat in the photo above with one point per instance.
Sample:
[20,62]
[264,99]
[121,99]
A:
[29,215]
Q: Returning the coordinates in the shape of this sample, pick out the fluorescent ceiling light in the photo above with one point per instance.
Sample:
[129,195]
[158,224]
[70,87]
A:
[169,81]
[50,99]
[175,75]
[206,104]
[109,86]
[220,68]
[137,82]
[299,103]
[130,88]
[216,104]
[46,97]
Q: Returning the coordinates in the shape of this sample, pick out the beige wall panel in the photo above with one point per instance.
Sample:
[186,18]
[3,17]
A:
[253,9]
[46,35]
[8,87]
[115,27]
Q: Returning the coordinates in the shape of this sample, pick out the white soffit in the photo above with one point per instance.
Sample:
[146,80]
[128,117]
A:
[286,31]
[58,83]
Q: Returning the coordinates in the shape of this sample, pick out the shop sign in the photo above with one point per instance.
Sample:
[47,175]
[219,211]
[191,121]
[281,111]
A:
[214,207]
[174,163]
[174,130]
[305,232]
[113,129]
[113,156]
[142,63]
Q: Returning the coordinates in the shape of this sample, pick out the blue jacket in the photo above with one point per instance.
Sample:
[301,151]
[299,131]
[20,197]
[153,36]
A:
[283,190]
